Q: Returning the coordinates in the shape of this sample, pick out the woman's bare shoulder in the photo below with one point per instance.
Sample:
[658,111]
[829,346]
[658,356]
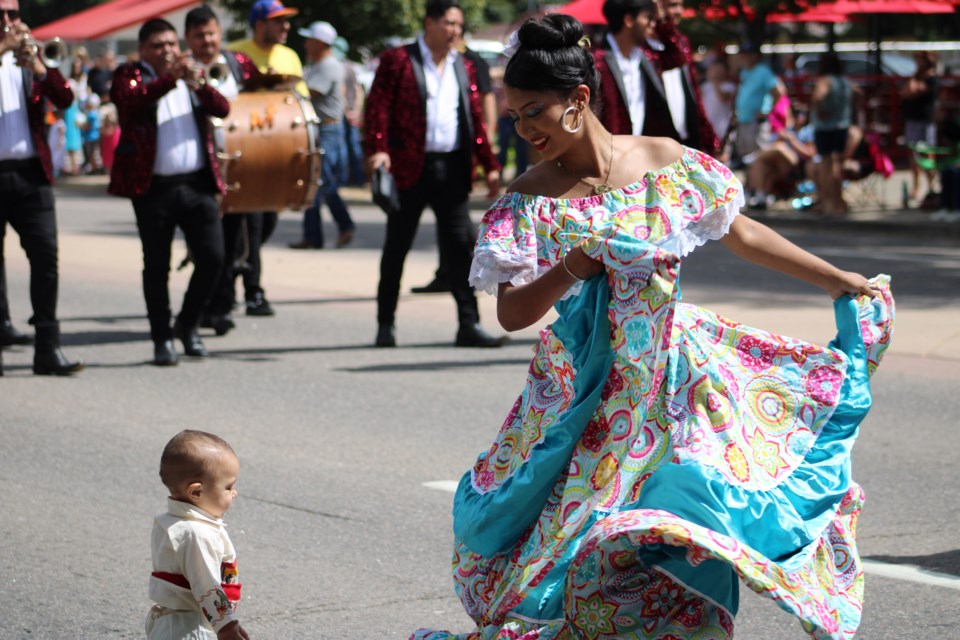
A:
[532,182]
[651,154]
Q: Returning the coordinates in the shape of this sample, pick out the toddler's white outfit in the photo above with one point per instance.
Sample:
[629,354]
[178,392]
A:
[194,581]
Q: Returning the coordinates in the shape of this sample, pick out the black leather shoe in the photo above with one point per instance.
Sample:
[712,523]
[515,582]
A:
[437,285]
[258,306]
[52,362]
[386,336]
[9,335]
[471,335]
[221,323]
[192,344]
[164,354]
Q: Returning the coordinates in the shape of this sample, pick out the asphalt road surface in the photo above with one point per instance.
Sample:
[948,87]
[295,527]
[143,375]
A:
[343,521]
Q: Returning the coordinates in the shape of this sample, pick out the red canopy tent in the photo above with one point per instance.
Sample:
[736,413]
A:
[586,11]
[109,17]
[591,11]
[840,10]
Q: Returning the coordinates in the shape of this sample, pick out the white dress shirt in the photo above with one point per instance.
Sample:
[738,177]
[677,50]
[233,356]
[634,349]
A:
[676,99]
[443,102]
[632,83]
[179,148]
[15,140]
[228,87]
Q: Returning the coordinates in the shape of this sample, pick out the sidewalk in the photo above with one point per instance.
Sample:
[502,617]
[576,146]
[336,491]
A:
[863,217]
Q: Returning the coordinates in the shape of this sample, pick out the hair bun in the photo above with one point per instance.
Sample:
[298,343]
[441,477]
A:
[552,32]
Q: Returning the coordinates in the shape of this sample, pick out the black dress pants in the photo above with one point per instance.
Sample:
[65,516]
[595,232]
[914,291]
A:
[445,186]
[243,235]
[27,204]
[184,201]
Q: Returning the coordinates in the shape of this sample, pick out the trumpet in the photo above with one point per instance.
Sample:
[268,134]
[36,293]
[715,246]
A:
[52,53]
[217,74]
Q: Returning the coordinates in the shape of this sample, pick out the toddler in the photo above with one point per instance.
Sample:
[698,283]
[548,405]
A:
[194,582]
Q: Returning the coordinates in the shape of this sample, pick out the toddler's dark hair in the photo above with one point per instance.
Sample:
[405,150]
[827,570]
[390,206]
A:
[552,57]
[189,456]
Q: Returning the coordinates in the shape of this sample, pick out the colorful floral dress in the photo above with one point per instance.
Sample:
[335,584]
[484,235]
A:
[660,453]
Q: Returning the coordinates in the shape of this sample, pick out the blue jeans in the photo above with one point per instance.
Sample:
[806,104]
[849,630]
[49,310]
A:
[353,172]
[334,155]
[506,136]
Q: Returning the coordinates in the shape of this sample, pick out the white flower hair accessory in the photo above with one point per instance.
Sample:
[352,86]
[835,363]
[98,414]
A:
[513,44]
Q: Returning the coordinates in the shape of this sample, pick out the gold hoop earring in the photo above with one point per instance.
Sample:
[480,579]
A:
[563,119]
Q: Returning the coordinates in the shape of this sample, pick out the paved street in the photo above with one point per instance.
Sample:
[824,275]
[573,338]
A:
[337,534]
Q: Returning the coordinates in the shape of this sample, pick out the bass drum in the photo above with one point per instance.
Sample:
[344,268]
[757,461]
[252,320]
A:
[269,152]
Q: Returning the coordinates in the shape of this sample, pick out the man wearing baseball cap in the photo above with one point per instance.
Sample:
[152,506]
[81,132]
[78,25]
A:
[270,23]
[324,78]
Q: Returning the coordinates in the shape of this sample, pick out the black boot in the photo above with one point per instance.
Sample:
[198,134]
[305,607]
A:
[9,335]
[192,344]
[48,360]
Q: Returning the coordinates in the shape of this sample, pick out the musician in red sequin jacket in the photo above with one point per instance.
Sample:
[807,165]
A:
[395,119]
[657,121]
[136,90]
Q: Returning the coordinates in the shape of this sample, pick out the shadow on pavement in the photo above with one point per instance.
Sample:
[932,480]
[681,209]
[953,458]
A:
[947,562]
[440,365]
[87,338]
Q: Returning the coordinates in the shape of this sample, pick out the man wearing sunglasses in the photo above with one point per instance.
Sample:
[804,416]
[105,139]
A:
[26,174]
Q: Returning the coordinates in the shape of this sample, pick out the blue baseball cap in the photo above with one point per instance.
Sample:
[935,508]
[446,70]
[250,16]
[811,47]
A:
[268,9]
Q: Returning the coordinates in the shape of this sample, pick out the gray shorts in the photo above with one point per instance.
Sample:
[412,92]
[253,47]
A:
[915,131]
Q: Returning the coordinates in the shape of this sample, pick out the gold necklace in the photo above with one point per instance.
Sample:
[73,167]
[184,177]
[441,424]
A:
[601,187]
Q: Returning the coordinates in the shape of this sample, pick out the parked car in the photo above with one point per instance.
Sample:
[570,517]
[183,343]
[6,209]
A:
[861,64]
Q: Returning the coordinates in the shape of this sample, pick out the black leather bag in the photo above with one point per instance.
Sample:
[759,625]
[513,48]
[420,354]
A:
[385,194]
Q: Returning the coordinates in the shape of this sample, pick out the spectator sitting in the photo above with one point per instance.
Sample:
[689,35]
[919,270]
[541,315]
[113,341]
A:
[776,170]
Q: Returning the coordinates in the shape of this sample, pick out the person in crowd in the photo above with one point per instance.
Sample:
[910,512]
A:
[109,134]
[638,454]
[757,94]
[26,177]
[507,137]
[57,140]
[74,120]
[270,22]
[441,278]
[195,584]
[680,83]
[426,135]
[832,108]
[776,170]
[718,93]
[166,164]
[204,36]
[90,134]
[918,100]
[100,76]
[324,76]
[353,99]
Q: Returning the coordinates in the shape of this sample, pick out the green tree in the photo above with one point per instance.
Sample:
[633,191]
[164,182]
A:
[373,24]
[39,12]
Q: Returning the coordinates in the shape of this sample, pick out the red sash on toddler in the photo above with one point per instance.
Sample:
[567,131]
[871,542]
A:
[228,580]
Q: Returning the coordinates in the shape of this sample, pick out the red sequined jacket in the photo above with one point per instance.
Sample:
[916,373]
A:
[55,89]
[395,118]
[136,91]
